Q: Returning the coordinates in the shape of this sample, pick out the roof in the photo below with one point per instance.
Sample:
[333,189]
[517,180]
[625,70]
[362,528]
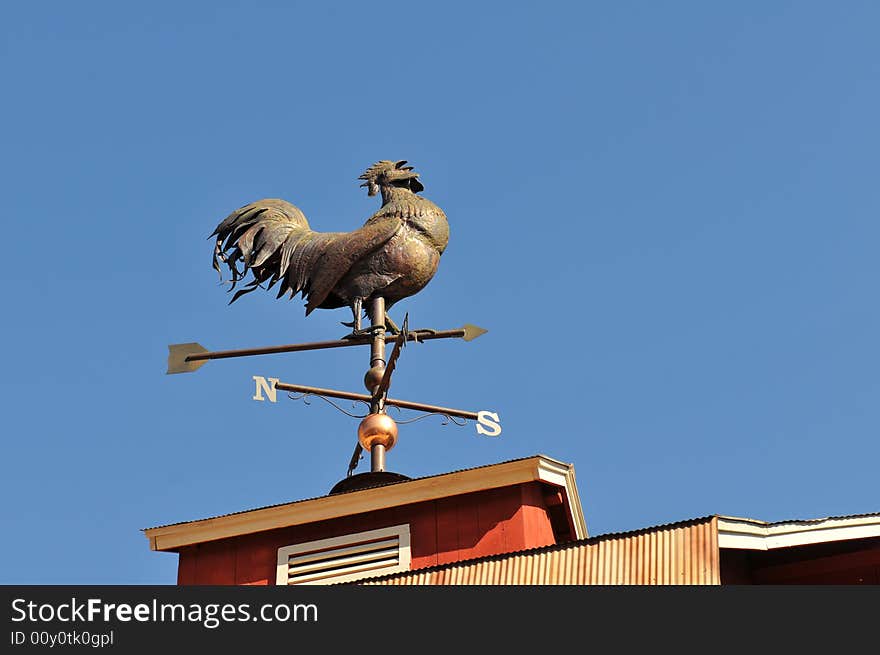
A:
[640,556]
[528,469]
[752,534]
[682,553]
[305,500]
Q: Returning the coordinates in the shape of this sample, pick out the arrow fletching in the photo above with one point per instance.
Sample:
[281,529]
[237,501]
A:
[177,354]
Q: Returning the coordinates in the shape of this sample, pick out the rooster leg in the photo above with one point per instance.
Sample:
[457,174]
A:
[357,331]
[356,310]
[355,307]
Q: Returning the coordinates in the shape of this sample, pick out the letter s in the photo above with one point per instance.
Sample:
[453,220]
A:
[491,422]
[21,612]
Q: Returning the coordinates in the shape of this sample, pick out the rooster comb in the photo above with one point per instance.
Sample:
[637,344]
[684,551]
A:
[390,171]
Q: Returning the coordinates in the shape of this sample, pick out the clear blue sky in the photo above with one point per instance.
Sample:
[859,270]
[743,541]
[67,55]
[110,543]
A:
[666,214]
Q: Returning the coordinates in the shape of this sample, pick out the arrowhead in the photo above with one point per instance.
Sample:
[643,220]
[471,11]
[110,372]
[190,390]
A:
[471,332]
[177,354]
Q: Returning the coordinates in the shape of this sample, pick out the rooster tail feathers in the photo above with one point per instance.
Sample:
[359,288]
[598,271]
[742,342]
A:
[254,237]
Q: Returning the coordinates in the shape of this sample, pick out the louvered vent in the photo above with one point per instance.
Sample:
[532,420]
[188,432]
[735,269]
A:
[346,558]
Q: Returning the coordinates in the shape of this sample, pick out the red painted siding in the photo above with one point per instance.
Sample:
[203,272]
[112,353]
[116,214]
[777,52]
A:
[442,531]
[855,561]
[186,566]
[215,564]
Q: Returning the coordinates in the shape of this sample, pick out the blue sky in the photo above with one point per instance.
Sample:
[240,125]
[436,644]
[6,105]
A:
[665,214]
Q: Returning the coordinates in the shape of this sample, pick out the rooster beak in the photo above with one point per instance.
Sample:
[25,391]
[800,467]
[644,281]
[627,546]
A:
[373,190]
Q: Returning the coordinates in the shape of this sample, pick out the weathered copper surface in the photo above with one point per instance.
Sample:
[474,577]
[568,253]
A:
[377,429]
[393,256]
[381,389]
[188,357]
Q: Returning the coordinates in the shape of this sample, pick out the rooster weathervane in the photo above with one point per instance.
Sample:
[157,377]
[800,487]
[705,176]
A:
[391,257]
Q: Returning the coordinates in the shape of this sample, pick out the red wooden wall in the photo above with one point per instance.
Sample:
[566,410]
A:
[441,531]
[855,561]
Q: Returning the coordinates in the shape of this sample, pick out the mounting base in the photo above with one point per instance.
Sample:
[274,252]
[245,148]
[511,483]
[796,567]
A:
[367,480]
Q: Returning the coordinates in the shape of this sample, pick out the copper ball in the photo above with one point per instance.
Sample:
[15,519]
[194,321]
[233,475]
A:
[374,377]
[377,429]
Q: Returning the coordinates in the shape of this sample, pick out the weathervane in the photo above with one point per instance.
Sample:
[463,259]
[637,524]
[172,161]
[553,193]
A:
[393,256]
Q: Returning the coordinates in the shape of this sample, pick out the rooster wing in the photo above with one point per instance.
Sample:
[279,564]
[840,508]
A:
[273,240]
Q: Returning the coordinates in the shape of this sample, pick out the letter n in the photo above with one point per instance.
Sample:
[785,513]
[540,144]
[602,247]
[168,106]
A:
[263,385]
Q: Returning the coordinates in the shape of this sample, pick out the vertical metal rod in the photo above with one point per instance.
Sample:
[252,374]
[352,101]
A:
[377,359]
[377,348]
[377,458]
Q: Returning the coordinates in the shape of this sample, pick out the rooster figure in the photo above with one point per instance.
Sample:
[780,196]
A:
[393,256]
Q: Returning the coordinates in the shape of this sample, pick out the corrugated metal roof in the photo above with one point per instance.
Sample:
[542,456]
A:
[684,553]
[343,493]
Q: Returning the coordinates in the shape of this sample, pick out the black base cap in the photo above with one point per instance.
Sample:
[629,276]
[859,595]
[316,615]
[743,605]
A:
[367,480]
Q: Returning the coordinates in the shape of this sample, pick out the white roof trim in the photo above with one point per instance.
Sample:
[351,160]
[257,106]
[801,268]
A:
[751,534]
[536,468]
[562,475]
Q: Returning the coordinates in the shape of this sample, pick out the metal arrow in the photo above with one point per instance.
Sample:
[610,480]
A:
[189,357]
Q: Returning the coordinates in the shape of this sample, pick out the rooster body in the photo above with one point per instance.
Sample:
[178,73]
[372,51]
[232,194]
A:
[393,256]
